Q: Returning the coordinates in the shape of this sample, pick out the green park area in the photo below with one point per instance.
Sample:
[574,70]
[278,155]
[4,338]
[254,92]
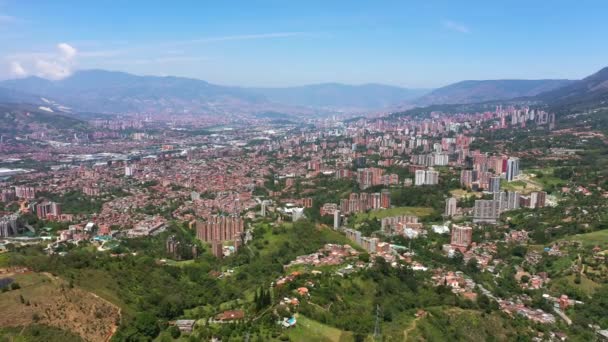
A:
[597,238]
[307,329]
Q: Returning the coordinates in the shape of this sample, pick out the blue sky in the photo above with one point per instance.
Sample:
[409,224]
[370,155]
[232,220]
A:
[289,42]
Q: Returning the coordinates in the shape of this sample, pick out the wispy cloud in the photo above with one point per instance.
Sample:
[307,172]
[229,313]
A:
[243,37]
[455,26]
[122,50]
[7,19]
[167,60]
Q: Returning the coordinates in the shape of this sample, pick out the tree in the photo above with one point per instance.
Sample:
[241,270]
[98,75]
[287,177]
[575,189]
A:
[146,324]
[472,265]
[174,331]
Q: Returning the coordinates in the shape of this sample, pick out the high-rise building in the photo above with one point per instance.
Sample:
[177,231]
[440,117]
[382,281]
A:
[462,236]
[420,177]
[537,199]
[220,228]
[385,199]
[450,206]
[494,184]
[336,219]
[512,200]
[431,177]
[541,199]
[129,171]
[466,178]
[25,192]
[426,177]
[8,195]
[264,204]
[487,211]
[9,225]
[512,168]
[47,209]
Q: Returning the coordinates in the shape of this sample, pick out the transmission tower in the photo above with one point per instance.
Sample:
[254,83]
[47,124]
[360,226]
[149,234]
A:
[377,327]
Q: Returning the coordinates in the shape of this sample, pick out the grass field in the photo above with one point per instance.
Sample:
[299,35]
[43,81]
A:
[398,211]
[598,238]
[4,259]
[308,330]
[587,285]
[524,186]
[459,193]
[547,179]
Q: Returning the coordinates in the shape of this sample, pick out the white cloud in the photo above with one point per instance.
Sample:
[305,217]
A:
[52,65]
[54,70]
[17,70]
[454,26]
[67,51]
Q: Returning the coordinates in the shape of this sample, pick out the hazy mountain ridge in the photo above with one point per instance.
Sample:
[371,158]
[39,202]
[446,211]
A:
[118,92]
[465,92]
[336,95]
[110,91]
[590,92]
[26,118]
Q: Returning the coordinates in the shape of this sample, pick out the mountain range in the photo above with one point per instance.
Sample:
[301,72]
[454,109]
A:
[341,96]
[465,92]
[101,91]
[590,92]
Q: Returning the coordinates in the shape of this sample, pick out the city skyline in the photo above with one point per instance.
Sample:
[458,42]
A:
[275,44]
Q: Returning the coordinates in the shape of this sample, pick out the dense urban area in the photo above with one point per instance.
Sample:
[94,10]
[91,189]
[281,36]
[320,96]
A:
[303,171]
[484,222]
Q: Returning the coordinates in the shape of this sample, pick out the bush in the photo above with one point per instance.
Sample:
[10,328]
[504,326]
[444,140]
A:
[174,331]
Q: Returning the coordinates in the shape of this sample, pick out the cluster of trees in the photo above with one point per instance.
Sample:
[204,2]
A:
[75,202]
[262,298]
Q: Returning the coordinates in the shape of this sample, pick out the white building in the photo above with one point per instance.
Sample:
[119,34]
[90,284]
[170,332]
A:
[512,168]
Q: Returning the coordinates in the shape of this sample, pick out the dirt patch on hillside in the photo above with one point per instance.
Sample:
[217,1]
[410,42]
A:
[45,299]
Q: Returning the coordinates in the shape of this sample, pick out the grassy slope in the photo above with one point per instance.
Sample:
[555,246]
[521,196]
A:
[37,333]
[456,324]
[310,330]
[50,300]
[597,238]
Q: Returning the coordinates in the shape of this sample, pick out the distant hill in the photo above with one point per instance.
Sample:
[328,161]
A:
[341,96]
[26,118]
[15,96]
[103,91]
[108,91]
[590,92]
[112,92]
[483,91]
